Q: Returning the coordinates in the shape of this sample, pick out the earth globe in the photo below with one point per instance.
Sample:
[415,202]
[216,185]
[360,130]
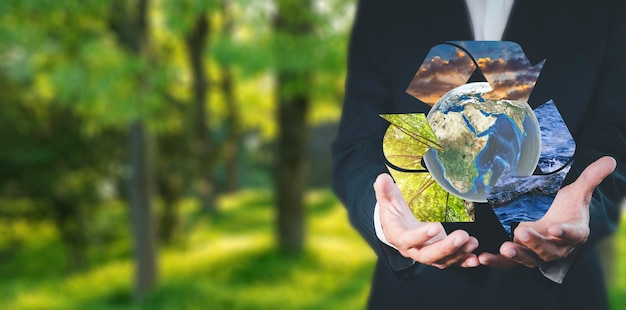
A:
[480,141]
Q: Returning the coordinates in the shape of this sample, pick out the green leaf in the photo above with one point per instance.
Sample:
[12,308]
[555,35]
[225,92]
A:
[428,201]
[407,139]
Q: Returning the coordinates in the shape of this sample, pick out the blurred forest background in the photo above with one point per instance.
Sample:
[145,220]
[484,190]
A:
[175,154]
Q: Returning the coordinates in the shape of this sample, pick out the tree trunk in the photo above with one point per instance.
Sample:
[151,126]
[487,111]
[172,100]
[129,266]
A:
[203,146]
[130,24]
[291,167]
[141,208]
[231,144]
[293,22]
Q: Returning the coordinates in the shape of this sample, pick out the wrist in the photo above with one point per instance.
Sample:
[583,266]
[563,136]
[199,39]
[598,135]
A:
[379,227]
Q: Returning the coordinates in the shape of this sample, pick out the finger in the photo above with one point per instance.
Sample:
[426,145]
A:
[593,175]
[530,238]
[495,261]
[424,234]
[520,254]
[461,257]
[470,245]
[442,252]
[387,192]
[470,261]
[546,250]
[464,256]
[466,261]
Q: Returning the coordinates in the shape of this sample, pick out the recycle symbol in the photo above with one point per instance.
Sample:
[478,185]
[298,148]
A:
[411,139]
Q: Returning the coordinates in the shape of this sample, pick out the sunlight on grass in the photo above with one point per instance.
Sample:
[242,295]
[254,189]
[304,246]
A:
[101,283]
[232,261]
[104,281]
[39,300]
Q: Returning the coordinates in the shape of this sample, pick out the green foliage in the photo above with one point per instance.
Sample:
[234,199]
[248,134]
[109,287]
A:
[72,81]
[33,136]
[180,14]
[251,57]
[407,139]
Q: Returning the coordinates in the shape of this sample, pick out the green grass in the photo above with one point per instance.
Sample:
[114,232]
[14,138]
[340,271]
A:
[225,262]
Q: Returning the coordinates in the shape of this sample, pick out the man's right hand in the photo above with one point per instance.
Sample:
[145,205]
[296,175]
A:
[424,242]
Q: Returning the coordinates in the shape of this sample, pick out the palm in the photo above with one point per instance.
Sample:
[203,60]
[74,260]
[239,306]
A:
[561,229]
[424,242]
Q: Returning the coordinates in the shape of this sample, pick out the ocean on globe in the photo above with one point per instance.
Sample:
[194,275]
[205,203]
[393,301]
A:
[480,141]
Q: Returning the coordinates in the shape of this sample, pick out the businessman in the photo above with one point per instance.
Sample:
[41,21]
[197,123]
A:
[551,263]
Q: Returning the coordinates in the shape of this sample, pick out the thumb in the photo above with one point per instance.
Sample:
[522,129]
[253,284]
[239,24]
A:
[386,190]
[593,175]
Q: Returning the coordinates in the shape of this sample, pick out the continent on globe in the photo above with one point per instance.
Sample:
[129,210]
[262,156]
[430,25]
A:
[460,146]
[481,139]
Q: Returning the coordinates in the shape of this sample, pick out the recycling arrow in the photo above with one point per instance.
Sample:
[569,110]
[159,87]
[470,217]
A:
[503,64]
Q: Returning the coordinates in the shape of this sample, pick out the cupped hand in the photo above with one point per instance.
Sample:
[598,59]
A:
[426,243]
[564,226]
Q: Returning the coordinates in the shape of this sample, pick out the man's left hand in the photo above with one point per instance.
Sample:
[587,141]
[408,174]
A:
[564,226]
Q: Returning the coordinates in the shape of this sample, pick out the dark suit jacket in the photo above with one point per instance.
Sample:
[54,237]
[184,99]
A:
[584,43]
